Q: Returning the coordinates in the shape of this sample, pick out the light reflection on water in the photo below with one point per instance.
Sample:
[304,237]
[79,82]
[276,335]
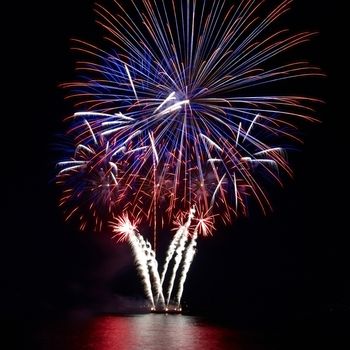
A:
[149,332]
[159,332]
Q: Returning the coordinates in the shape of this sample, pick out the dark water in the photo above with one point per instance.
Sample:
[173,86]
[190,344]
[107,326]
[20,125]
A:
[164,332]
[149,332]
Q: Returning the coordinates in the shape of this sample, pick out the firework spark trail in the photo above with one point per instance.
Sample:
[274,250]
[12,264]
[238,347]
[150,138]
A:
[141,264]
[178,257]
[179,252]
[204,227]
[126,231]
[153,269]
[188,258]
[173,245]
[171,250]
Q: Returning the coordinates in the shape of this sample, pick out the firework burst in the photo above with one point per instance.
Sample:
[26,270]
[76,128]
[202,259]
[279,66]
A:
[179,103]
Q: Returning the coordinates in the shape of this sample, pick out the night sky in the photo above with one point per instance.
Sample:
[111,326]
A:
[290,265]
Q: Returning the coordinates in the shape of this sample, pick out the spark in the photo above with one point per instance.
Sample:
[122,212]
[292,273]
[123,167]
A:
[250,126]
[113,131]
[155,153]
[91,131]
[214,160]
[249,159]
[169,98]
[123,228]
[176,106]
[216,190]
[123,116]
[131,82]
[136,150]
[119,150]
[80,146]
[211,142]
[70,168]
[275,149]
[236,190]
[114,167]
[238,133]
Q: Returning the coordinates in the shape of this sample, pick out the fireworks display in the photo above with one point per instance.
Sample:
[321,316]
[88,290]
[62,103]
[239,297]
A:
[176,123]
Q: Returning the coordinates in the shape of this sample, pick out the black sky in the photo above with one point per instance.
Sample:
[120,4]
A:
[292,264]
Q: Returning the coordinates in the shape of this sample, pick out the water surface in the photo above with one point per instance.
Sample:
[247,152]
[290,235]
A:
[173,332]
[138,332]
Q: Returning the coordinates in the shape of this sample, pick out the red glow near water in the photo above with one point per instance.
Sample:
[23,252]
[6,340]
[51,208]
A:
[149,332]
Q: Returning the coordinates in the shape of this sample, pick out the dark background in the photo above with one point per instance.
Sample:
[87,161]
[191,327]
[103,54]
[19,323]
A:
[291,266]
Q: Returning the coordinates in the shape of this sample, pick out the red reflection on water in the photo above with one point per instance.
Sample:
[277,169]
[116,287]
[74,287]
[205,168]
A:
[158,332]
[107,333]
[143,332]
